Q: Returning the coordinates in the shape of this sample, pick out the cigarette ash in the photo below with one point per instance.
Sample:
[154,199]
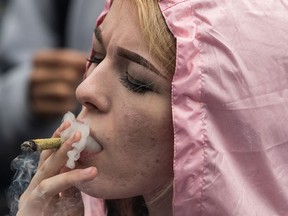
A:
[78,147]
[25,166]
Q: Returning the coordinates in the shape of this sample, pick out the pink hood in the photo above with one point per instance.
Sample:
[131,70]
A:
[229,103]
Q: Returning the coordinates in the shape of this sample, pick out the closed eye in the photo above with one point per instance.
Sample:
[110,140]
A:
[135,85]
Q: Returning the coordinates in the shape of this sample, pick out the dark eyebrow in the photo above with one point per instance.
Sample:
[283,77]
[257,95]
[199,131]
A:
[98,35]
[138,59]
[129,54]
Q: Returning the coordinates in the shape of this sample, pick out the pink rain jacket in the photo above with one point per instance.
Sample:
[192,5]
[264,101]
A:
[230,107]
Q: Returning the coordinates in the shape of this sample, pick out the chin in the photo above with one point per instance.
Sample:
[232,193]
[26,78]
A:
[89,188]
[98,190]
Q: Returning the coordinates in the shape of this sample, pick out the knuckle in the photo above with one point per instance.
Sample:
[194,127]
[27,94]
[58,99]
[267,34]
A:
[63,89]
[42,190]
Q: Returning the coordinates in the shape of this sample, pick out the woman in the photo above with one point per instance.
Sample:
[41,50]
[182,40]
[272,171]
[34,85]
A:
[223,144]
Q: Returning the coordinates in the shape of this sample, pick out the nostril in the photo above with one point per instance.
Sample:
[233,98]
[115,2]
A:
[89,105]
[92,96]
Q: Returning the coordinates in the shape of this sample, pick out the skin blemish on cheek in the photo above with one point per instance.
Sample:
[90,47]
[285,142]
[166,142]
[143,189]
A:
[153,139]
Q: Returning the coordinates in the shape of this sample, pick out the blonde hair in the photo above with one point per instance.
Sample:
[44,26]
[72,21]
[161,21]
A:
[162,43]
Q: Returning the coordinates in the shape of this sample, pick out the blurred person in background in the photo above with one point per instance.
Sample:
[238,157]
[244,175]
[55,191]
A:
[2,9]
[43,50]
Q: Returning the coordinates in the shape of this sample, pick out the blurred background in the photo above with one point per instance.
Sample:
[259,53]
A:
[43,49]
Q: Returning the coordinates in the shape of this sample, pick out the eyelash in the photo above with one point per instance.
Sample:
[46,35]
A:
[127,81]
[134,85]
[93,60]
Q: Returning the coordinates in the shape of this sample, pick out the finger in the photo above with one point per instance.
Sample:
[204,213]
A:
[54,163]
[46,153]
[53,98]
[49,188]
[44,73]
[58,159]
[55,89]
[61,57]
[54,105]
[70,192]
[50,108]
[61,128]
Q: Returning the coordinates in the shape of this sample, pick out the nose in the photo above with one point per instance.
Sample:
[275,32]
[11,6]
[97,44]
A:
[93,95]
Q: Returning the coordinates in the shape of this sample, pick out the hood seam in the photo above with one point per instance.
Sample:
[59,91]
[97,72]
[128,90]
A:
[204,132]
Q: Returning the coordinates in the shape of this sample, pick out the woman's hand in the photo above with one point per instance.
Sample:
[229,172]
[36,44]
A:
[51,191]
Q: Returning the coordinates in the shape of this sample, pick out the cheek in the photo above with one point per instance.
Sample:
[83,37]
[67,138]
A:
[146,137]
[138,157]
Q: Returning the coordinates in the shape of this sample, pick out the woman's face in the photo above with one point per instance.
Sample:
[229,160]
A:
[126,102]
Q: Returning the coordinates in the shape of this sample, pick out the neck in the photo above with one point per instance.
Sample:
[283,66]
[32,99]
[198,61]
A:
[160,206]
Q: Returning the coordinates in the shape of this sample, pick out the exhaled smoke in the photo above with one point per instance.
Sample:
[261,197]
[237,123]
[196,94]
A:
[25,166]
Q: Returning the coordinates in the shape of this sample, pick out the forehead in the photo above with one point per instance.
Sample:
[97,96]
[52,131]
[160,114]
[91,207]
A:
[121,25]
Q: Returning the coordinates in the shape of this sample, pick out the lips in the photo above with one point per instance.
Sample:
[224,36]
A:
[86,157]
